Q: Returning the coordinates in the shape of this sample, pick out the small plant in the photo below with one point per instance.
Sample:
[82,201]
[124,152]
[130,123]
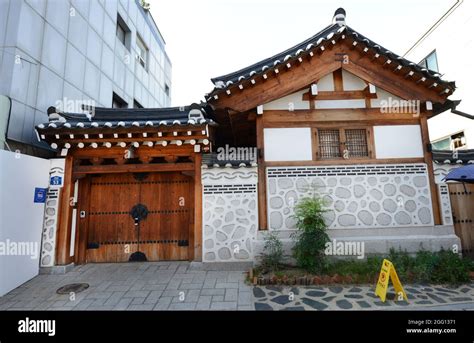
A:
[310,237]
[272,255]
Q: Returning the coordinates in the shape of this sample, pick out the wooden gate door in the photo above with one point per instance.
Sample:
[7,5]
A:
[111,232]
[462,203]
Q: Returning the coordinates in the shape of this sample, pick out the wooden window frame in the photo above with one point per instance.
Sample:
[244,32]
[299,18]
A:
[369,131]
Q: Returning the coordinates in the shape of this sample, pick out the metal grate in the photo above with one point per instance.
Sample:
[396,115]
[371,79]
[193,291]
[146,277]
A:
[329,142]
[356,142]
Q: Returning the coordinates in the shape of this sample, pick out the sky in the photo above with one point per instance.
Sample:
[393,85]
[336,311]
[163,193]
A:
[209,38]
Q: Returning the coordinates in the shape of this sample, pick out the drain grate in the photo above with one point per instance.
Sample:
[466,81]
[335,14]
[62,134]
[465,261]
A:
[73,287]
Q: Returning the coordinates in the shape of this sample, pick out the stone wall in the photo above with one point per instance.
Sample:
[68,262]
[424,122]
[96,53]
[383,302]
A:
[48,242]
[361,196]
[230,214]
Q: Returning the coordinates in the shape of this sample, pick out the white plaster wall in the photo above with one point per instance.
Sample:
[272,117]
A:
[452,40]
[356,196]
[289,102]
[230,214]
[20,218]
[326,83]
[383,98]
[398,141]
[287,144]
[352,82]
[328,104]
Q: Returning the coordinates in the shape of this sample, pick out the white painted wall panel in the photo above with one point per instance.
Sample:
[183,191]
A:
[20,218]
[398,141]
[287,144]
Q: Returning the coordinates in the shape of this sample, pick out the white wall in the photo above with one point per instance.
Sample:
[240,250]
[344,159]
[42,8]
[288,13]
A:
[20,218]
[398,141]
[287,144]
[453,41]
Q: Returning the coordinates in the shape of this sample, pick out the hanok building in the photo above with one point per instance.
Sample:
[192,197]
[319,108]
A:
[336,114]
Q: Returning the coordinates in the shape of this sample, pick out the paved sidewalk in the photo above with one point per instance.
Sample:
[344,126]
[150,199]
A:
[135,286]
[347,297]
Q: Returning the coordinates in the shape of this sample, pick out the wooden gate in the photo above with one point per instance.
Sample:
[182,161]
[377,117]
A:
[462,203]
[107,230]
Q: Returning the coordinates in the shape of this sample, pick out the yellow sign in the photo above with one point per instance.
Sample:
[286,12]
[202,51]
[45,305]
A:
[388,272]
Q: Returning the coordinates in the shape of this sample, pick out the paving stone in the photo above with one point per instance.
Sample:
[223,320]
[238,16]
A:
[204,302]
[217,298]
[355,290]
[317,305]
[137,301]
[185,286]
[344,304]
[182,306]
[231,294]
[424,302]
[136,294]
[281,299]
[294,308]
[353,296]
[220,291]
[258,292]
[227,285]
[142,307]
[363,304]
[460,299]
[263,307]
[335,289]
[245,298]
[436,298]
[274,288]
[123,304]
[315,294]
[223,305]
[114,298]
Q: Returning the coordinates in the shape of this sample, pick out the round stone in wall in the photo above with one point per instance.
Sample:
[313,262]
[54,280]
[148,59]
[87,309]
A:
[302,185]
[372,181]
[383,219]
[209,256]
[239,232]
[318,184]
[208,244]
[366,217]
[424,200]
[240,212]
[346,220]
[208,230]
[389,205]
[242,255]
[402,218]
[221,236]
[276,220]
[410,206]
[389,189]
[290,223]
[332,181]
[329,217]
[276,202]
[359,191]
[285,183]
[49,222]
[252,204]
[51,203]
[291,198]
[419,181]
[224,253]
[425,215]
[229,217]
[217,223]
[272,186]
[352,206]
[376,194]
[345,181]
[408,190]
[48,246]
[343,193]
[339,206]
[46,260]
[50,211]
[327,200]
[220,201]
[374,206]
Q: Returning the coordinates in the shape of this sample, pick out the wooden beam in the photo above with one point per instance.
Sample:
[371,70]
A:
[197,237]
[63,235]
[333,115]
[262,190]
[134,168]
[339,95]
[429,162]
[338,81]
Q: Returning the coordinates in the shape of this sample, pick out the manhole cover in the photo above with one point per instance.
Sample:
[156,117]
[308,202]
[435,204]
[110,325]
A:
[73,287]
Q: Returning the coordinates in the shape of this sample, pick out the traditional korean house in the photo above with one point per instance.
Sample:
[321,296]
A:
[337,114]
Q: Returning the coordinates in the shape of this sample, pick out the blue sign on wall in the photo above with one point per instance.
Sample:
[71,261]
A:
[56,181]
[40,195]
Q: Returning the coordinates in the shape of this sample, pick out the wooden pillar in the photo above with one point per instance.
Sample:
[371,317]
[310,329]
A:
[197,239]
[429,161]
[262,188]
[80,256]
[63,235]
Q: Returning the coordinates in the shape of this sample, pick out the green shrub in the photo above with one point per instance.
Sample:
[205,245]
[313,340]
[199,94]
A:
[449,267]
[272,255]
[310,236]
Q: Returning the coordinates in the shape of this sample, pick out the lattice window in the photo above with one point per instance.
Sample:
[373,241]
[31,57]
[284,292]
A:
[356,142]
[329,143]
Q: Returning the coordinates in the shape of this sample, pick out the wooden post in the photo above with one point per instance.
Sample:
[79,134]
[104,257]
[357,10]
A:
[63,235]
[429,161]
[197,208]
[262,188]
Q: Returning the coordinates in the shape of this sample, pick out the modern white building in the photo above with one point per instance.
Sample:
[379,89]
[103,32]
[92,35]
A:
[65,53]
[447,47]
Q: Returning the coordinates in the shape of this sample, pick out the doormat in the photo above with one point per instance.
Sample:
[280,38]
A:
[73,288]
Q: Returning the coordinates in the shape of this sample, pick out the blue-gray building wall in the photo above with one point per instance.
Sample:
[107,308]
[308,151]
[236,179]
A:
[67,51]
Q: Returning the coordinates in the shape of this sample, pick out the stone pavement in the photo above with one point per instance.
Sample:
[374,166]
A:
[135,286]
[179,286]
[268,298]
